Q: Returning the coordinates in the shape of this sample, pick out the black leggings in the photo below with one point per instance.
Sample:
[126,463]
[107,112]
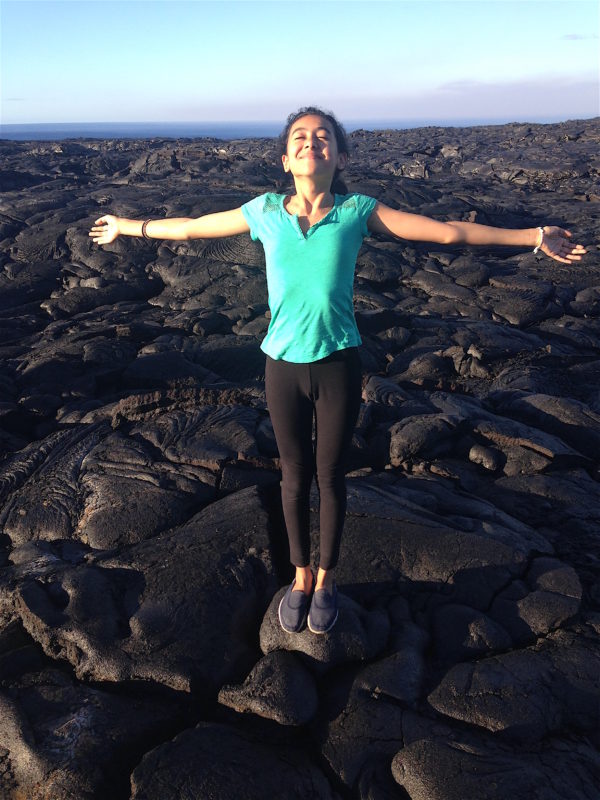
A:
[328,390]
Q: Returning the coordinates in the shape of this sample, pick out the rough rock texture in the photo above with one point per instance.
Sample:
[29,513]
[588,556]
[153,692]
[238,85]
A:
[179,610]
[279,687]
[529,693]
[454,766]
[142,549]
[219,762]
[63,740]
[358,635]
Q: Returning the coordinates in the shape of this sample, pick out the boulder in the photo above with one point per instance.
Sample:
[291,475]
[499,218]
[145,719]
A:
[279,687]
[528,694]
[358,635]
[179,610]
[65,740]
[221,762]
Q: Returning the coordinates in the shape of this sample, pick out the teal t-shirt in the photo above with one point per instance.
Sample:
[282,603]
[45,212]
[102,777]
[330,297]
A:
[310,277]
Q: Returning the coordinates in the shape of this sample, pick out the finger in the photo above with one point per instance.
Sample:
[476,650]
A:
[101,220]
[572,257]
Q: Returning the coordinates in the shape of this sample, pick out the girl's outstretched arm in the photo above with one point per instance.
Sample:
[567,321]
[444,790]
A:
[210,226]
[555,241]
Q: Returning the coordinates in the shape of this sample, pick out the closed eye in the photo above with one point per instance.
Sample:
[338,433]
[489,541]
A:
[324,134]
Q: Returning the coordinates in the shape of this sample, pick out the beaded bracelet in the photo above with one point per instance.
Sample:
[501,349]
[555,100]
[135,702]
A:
[144,234]
[540,240]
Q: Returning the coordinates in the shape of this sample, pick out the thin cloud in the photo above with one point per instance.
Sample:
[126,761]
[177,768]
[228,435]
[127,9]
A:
[546,97]
[578,37]
[538,83]
[14,99]
[461,85]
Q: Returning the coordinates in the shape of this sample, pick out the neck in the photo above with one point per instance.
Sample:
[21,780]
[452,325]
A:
[311,194]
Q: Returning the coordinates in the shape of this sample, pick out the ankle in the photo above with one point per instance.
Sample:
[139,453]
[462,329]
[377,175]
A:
[304,580]
[325,578]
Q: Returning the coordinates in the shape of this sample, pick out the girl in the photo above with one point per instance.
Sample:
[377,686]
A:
[311,240]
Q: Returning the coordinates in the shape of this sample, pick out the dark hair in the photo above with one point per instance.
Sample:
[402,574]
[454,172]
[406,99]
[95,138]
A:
[337,185]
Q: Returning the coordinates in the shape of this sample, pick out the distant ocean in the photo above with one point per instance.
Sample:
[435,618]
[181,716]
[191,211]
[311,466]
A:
[219,130]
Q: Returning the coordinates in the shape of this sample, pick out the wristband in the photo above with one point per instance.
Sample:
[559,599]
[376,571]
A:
[145,235]
[540,241]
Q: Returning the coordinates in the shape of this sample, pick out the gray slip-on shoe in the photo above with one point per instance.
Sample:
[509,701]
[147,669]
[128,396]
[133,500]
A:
[323,612]
[293,609]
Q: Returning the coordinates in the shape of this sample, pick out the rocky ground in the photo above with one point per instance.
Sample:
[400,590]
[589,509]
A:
[142,554]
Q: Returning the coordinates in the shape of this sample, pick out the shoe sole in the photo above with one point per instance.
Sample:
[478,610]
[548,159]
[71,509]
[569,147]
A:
[312,630]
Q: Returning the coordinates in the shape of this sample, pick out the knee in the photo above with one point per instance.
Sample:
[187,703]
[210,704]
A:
[331,477]
[296,479]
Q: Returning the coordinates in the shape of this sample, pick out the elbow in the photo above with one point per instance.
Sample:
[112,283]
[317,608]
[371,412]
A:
[452,235]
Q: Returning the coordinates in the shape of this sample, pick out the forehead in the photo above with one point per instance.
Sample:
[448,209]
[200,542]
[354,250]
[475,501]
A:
[311,122]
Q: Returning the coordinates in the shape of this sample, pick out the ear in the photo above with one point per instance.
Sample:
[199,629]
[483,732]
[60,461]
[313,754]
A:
[286,163]
[342,161]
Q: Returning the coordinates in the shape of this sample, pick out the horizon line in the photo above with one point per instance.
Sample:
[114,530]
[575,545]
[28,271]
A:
[261,121]
[354,123]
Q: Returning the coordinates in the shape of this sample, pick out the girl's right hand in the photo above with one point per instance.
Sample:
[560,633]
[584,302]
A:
[106,229]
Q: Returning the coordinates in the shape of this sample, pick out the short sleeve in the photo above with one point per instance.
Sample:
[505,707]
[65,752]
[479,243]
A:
[364,207]
[253,212]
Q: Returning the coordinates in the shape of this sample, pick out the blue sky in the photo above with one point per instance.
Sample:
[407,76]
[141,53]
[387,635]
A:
[190,60]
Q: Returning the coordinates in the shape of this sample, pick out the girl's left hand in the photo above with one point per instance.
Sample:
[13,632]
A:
[557,245]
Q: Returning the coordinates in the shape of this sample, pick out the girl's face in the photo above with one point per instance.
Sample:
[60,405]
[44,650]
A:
[312,148]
